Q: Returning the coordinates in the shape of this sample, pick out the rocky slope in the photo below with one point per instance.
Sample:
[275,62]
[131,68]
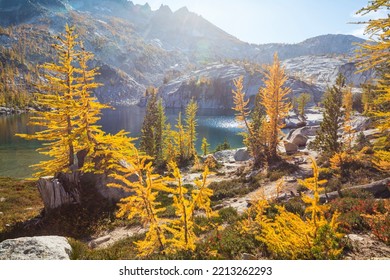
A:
[212,85]
[135,47]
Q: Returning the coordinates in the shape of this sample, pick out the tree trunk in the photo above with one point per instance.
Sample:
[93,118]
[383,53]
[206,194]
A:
[60,190]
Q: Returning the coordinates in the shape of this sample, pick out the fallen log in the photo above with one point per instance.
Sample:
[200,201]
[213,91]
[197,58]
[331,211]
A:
[378,189]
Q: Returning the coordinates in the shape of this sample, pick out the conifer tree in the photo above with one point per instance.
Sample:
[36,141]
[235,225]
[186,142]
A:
[368,98]
[274,100]
[159,137]
[89,111]
[143,204]
[205,146]
[148,130]
[302,101]
[290,236]
[180,137]
[183,228]
[60,95]
[327,139]
[348,131]
[170,151]
[190,128]
[375,54]
[255,136]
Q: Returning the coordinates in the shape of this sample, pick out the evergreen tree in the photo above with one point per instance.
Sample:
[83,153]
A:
[327,139]
[368,98]
[150,123]
[302,101]
[159,137]
[170,151]
[180,137]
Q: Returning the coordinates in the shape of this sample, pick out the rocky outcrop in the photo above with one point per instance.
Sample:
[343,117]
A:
[306,131]
[36,248]
[366,247]
[290,148]
[299,140]
[119,88]
[360,123]
[242,155]
[212,87]
[225,155]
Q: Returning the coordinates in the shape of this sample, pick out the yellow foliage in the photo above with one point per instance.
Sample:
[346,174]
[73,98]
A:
[143,203]
[256,137]
[375,54]
[274,100]
[289,236]
[164,235]
[382,160]
[182,228]
[69,123]
[241,105]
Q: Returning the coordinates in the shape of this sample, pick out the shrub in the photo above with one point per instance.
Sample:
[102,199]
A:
[223,146]
[231,188]
[228,244]
[228,215]
[379,222]
[352,208]
[296,206]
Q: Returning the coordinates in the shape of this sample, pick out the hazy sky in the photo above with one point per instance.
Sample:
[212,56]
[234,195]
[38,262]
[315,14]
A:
[274,21]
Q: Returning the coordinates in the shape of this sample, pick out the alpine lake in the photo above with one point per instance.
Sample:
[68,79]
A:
[17,154]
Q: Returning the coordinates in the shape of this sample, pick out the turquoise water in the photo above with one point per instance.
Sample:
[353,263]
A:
[16,154]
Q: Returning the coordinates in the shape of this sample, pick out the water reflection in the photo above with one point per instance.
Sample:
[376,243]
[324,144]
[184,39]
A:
[17,154]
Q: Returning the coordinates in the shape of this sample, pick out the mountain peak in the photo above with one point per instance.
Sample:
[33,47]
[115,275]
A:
[182,10]
[164,9]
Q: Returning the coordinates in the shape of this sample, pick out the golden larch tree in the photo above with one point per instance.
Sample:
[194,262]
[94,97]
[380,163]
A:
[59,96]
[290,236]
[375,54]
[143,203]
[255,137]
[274,99]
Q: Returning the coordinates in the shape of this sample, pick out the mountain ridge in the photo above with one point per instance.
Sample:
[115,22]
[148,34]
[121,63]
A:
[137,47]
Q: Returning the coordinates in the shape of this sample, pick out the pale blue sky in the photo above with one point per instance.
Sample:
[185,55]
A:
[274,21]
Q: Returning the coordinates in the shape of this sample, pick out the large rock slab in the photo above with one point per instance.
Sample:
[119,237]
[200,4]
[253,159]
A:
[299,140]
[360,123]
[306,131]
[225,155]
[290,148]
[35,248]
[366,247]
[242,155]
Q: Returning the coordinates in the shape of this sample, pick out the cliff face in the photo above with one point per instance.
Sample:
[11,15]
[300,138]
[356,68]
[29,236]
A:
[212,86]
